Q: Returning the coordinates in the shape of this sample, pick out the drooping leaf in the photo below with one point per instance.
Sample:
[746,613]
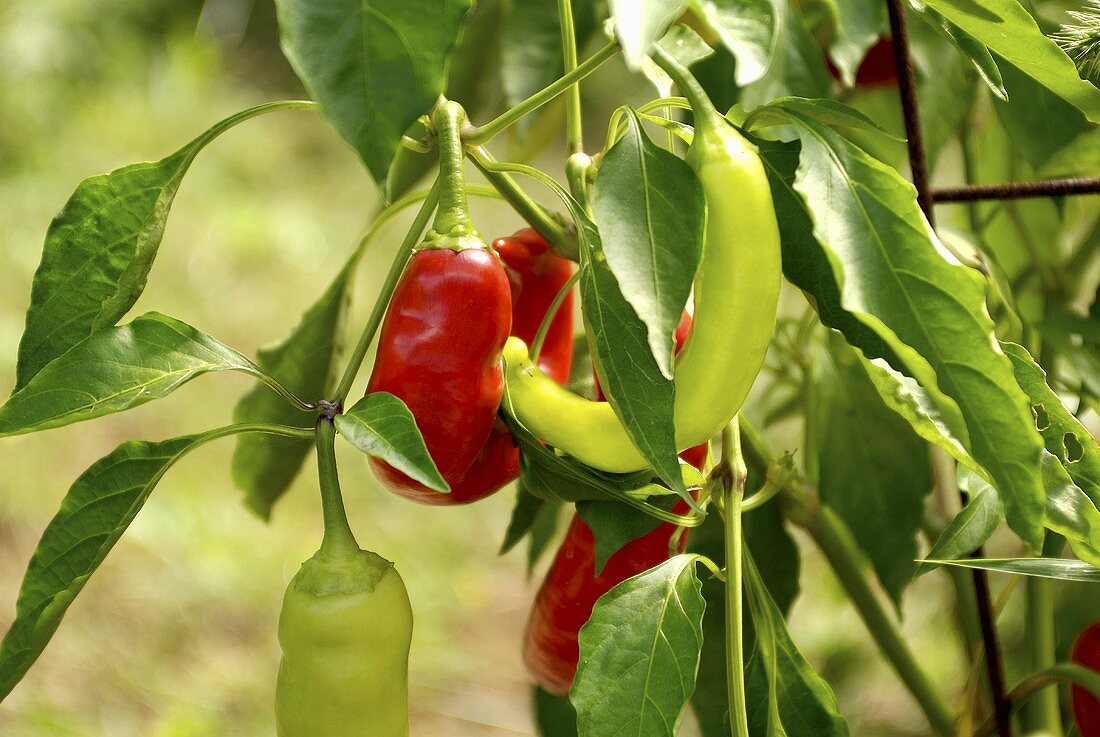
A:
[382,426]
[96,510]
[524,513]
[749,29]
[1008,30]
[975,50]
[896,279]
[639,25]
[641,395]
[100,248]
[116,369]
[375,66]
[639,653]
[265,465]
[873,470]
[472,71]
[542,532]
[1070,512]
[650,211]
[785,695]
[977,521]
[685,46]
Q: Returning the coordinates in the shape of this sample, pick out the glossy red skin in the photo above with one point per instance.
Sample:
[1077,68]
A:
[1086,707]
[439,351]
[571,588]
[565,601]
[537,274]
[878,68]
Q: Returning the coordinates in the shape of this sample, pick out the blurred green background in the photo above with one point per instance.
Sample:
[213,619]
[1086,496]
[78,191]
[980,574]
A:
[175,634]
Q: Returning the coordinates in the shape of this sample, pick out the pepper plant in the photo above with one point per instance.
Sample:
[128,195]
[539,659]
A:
[755,247]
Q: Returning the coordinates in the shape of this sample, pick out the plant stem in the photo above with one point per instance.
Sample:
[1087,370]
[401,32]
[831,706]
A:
[411,238]
[453,215]
[338,539]
[733,474]
[563,243]
[1043,713]
[704,113]
[551,313]
[1061,673]
[574,122]
[835,540]
[482,133]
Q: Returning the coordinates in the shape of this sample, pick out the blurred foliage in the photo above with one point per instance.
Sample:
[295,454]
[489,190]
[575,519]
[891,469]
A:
[175,634]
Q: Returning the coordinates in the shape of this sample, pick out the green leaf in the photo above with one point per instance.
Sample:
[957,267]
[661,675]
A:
[97,509]
[531,52]
[1059,569]
[873,470]
[749,29]
[524,513]
[100,248]
[639,392]
[639,25]
[265,465]
[375,66]
[554,715]
[1061,431]
[582,375]
[685,46]
[1039,122]
[785,696]
[972,48]
[895,277]
[766,535]
[971,527]
[542,532]
[614,524]
[639,653]
[798,66]
[651,213]
[472,71]
[116,369]
[1009,30]
[1070,512]
[382,426]
[859,25]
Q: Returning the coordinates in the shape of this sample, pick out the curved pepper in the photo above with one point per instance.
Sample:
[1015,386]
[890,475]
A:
[736,293]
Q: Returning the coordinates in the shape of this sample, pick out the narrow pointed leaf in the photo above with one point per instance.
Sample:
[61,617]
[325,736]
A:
[651,214]
[116,369]
[1059,569]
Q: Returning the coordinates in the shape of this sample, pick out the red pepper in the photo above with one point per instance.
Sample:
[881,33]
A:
[537,274]
[572,587]
[878,68]
[533,277]
[1086,707]
[439,351]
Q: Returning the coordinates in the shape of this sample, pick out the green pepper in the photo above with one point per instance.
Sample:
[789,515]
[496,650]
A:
[345,630]
[736,294]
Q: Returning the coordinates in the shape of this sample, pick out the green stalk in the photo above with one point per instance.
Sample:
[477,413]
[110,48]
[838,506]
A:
[563,243]
[339,539]
[733,493]
[483,133]
[412,237]
[835,540]
[704,114]
[1042,713]
[453,216]
[574,122]
[1061,673]
[551,312]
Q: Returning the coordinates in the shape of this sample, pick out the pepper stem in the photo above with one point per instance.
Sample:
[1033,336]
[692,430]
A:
[733,476]
[706,115]
[453,215]
[339,540]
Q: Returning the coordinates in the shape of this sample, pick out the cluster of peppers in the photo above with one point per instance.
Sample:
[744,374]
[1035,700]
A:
[456,332]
